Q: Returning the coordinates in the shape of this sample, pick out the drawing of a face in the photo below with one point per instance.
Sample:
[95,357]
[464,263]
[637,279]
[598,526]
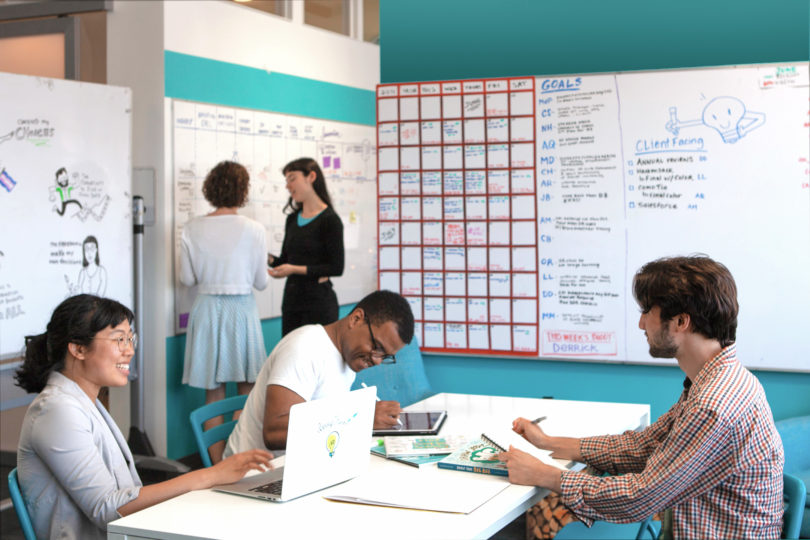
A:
[724,115]
[90,250]
[62,178]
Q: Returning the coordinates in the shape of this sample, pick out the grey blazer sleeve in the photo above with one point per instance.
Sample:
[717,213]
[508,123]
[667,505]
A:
[97,476]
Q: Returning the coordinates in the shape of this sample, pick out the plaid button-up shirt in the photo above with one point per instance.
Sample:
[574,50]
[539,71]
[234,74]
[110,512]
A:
[715,458]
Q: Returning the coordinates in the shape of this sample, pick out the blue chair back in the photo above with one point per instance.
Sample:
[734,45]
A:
[647,529]
[795,497]
[19,506]
[795,435]
[405,381]
[221,432]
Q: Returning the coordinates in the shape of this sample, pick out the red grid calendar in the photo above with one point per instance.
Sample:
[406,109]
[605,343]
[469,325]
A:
[457,211]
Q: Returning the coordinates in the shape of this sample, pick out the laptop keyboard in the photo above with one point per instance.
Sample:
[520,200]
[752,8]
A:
[274,488]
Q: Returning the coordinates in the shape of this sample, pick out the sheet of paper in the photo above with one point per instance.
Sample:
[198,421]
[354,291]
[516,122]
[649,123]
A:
[524,311]
[523,233]
[454,208]
[524,284]
[403,487]
[474,131]
[432,132]
[410,183]
[432,208]
[476,233]
[388,110]
[504,437]
[389,208]
[499,285]
[455,336]
[389,258]
[431,107]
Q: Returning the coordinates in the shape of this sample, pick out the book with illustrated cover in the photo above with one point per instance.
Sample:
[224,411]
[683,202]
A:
[478,456]
[421,445]
[413,461]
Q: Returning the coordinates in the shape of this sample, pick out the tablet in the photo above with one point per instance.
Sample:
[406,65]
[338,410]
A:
[416,423]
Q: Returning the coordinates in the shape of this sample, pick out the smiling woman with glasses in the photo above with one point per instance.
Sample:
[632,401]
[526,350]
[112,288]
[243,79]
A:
[75,469]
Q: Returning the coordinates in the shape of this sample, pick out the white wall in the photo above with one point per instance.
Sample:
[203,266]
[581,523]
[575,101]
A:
[137,35]
[229,32]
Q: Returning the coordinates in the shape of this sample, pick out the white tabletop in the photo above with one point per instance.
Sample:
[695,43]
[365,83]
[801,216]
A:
[208,514]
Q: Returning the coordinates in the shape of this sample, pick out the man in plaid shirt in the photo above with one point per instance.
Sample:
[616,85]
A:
[714,459]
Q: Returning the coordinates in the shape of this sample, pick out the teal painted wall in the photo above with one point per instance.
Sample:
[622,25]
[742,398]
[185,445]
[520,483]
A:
[480,38]
[221,83]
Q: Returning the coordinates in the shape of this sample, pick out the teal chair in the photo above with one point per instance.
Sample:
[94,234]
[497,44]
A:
[19,506]
[405,381]
[795,434]
[795,498]
[604,530]
[221,432]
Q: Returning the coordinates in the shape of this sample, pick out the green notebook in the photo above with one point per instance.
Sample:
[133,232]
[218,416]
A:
[478,456]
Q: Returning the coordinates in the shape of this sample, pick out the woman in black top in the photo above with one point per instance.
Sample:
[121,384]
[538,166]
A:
[312,249]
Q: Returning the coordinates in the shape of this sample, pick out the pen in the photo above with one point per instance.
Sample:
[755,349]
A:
[364,385]
[538,420]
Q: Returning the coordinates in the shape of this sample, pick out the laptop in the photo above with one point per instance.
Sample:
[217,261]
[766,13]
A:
[327,443]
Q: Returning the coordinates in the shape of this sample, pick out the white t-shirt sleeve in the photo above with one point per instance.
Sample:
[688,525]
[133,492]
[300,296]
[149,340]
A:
[296,365]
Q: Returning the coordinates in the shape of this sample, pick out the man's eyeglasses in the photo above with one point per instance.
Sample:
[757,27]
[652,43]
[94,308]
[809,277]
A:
[377,352]
[124,342]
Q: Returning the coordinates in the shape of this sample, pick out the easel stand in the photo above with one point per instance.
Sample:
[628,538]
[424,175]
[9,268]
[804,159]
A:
[150,467]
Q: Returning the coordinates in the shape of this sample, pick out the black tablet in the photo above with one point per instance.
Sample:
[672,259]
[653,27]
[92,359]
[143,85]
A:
[416,423]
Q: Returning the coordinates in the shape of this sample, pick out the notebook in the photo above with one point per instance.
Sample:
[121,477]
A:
[327,443]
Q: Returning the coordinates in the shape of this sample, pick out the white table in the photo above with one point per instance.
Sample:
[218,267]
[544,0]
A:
[208,514]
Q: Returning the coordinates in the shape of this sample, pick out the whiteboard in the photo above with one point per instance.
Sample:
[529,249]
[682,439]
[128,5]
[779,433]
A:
[65,176]
[262,141]
[631,167]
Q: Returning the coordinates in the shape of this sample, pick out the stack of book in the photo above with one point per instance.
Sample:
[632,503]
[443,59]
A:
[418,450]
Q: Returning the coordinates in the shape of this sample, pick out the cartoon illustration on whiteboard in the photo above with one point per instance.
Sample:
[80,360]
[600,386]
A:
[6,181]
[82,190]
[64,190]
[726,114]
[92,277]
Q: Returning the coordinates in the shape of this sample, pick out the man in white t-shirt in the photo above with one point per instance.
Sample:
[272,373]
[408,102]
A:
[315,361]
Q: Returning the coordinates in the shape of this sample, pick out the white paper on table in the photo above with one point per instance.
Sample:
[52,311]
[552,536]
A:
[438,491]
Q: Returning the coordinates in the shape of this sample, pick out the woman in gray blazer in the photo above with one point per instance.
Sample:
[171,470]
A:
[75,469]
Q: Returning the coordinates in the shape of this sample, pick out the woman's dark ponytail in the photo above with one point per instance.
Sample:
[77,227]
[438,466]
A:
[33,374]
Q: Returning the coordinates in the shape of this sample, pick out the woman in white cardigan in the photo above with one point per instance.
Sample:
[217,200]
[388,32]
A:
[75,470]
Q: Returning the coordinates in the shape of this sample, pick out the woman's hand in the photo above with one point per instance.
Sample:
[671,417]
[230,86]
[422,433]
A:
[531,432]
[233,468]
[284,270]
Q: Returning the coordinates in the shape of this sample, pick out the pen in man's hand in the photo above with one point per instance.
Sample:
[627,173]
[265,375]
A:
[364,385]
[538,420]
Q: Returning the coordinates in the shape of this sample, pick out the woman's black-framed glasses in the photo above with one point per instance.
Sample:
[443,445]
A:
[377,351]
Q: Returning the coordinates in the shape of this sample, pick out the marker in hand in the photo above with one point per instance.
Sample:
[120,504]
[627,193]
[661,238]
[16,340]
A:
[538,420]
[364,385]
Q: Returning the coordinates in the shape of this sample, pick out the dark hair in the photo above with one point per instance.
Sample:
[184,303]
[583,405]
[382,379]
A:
[84,257]
[307,165]
[60,171]
[696,285]
[226,185]
[383,306]
[76,320]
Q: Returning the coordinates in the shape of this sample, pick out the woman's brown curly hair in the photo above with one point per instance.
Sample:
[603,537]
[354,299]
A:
[226,186]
